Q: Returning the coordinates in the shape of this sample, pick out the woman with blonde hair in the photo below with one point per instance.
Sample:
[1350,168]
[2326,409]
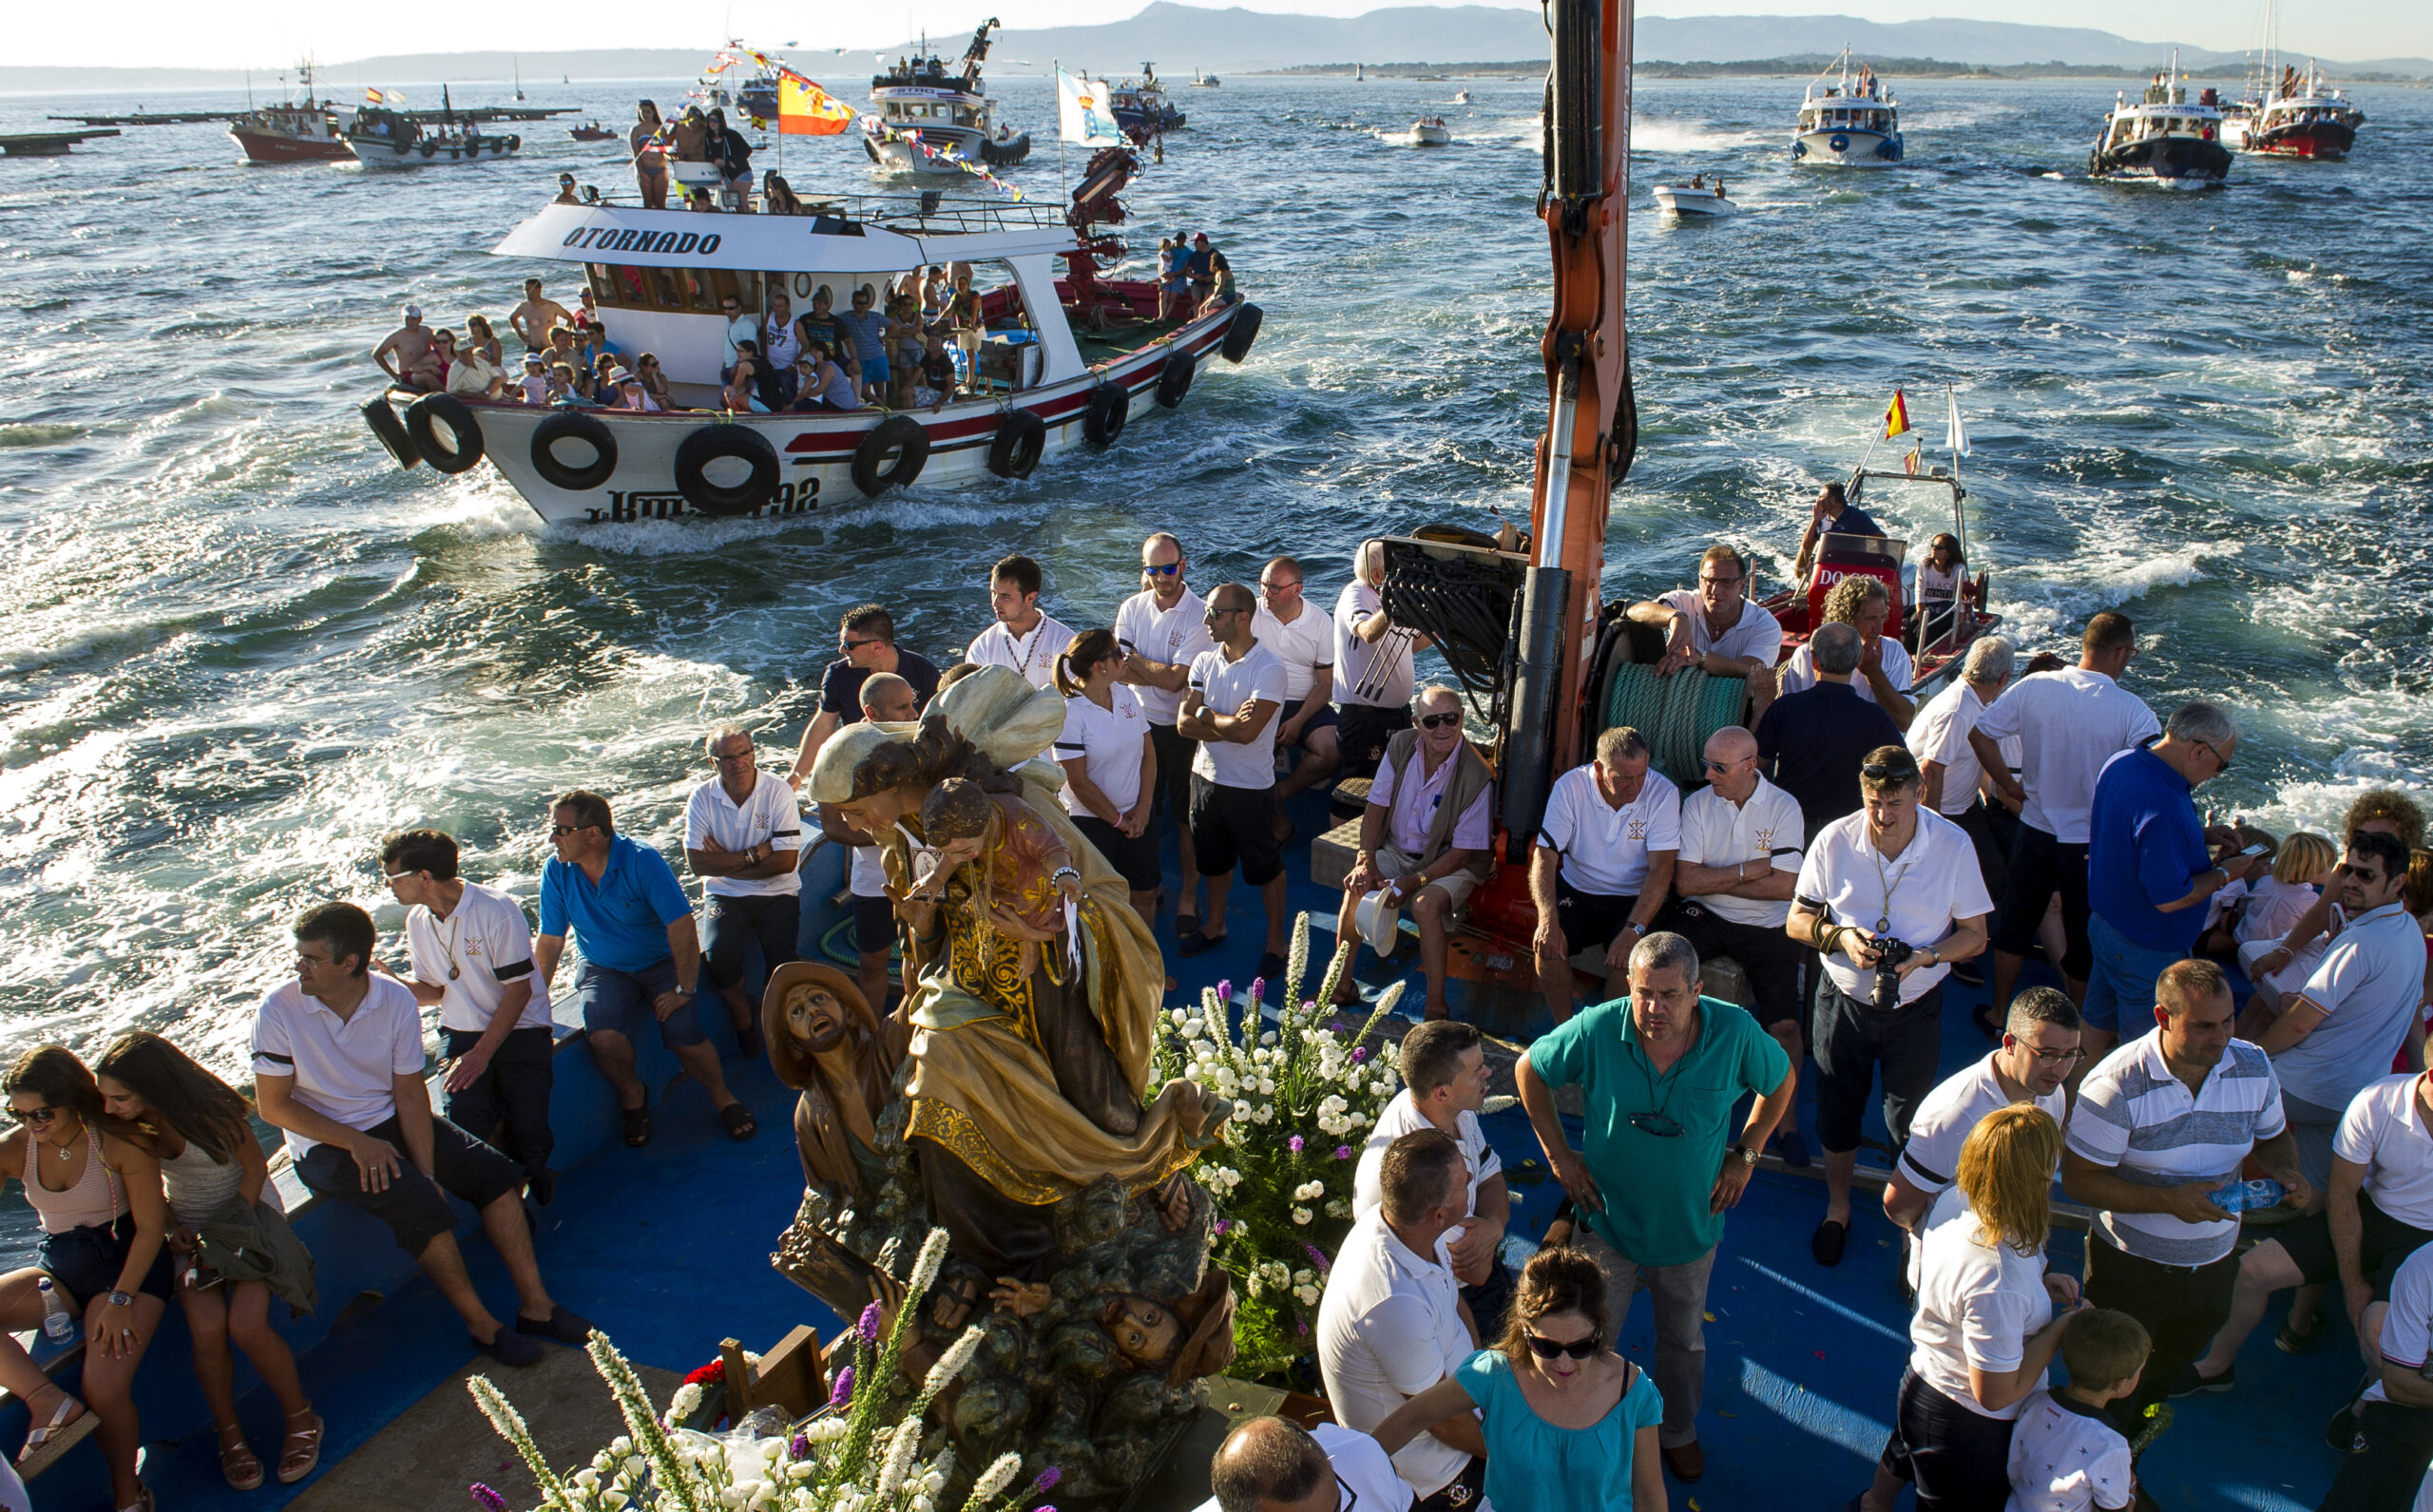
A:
[1989,1316]
[1570,1425]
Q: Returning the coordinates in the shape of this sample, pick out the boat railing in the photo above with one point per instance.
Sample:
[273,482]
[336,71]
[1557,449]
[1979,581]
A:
[928,213]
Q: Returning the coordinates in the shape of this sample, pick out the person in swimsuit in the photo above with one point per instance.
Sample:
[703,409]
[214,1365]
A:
[650,164]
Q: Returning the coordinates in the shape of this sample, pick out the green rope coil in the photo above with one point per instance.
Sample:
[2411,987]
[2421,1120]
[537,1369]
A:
[1675,714]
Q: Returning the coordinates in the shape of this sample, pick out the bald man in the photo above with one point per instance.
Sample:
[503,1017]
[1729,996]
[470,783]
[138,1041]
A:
[1272,1464]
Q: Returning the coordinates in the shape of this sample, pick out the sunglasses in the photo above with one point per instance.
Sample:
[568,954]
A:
[1881,772]
[1577,1349]
[35,1118]
[851,644]
[559,832]
[2217,756]
[1720,583]
[1438,722]
[1713,765]
[1664,1125]
[1166,571]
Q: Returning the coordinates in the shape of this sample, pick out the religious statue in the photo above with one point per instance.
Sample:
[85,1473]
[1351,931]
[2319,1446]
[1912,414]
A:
[825,1043]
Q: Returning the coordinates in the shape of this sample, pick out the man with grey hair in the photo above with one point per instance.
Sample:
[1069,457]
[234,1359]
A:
[1812,741]
[1424,837]
[2150,873]
[1659,1072]
[1603,865]
[1273,1464]
[1956,784]
[743,838]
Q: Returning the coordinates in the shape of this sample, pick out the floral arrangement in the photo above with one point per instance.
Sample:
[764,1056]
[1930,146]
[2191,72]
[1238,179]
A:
[1305,1099]
[862,1455]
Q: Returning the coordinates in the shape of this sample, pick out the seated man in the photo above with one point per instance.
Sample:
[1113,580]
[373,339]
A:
[416,365]
[642,957]
[1603,863]
[1882,675]
[1833,516]
[1445,1081]
[1423,837]
[743,838]
[1715,628]
[338,1063]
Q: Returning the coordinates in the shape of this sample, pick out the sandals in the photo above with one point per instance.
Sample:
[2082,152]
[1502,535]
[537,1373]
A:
[300,1451]
[2291,1340]
[51,1440]
[637,1122]
[741,1124]
[238,1462]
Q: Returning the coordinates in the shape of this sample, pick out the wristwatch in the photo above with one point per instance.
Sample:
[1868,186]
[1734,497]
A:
[121,1299]
[1747,1156]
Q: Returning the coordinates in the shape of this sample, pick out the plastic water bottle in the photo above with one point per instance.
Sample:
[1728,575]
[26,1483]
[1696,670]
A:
[56,1320]
[2247,1197]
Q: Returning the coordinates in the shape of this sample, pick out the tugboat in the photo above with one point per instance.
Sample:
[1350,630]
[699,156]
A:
[1854,122]
[2163,137]
[1140,109]
[294,131]
[2300,119]
[920,101]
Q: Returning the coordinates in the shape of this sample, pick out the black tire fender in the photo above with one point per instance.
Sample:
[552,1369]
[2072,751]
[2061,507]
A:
[1021,441]
[574,424]
[1176,380]
[1103,421]
[1239,335]
[382,417]
[901,437]
[710,444]
[432,413]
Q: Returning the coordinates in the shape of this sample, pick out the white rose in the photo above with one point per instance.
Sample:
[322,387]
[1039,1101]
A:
[1301,1215]
[1304,1278]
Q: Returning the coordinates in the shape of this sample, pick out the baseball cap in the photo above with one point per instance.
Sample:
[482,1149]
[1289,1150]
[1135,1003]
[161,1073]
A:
[413,311]
[1201,236]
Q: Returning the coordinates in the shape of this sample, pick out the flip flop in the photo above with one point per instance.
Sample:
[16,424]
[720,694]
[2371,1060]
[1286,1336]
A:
[741,1124]
[1825,1244]
[1186,925]
[637,1122]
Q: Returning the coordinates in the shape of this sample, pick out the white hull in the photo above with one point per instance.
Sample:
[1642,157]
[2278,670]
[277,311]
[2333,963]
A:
[430,154]
[896,158]
[1694,204]
[1859,148]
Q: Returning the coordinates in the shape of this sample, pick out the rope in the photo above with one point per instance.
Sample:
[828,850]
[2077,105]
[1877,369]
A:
[1675,714]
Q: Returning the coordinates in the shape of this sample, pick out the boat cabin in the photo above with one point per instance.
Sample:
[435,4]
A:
[925,109]
[1846,115]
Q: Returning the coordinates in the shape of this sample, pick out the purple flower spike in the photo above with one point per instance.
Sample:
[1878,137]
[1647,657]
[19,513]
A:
[483,1496]
[1258,989]
[799,1449]
[1317,1257]
[1296,1144]
[868,1325]
[1343,1152]
[1046,1479]
[1359,1054]
[1222,1224]
[843,1394]
[1224,989]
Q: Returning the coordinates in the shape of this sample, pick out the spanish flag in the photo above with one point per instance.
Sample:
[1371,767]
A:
[1896,417]
[805,109]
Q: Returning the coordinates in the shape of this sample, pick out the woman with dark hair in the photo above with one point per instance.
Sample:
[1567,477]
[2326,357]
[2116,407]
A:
[654,381]
[99,1198]
[650,159]
[234,1241]
[1570,1425]
[1110,767]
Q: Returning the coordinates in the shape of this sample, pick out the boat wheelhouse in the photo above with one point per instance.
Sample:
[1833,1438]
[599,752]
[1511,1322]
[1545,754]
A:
[2163,137]
[1064,356]
[923,102]
[304,130]
[2298,118]
[1853,122]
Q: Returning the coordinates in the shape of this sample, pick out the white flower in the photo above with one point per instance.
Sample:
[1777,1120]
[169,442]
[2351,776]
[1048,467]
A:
[1301,1215]
[1307,1190]
[1262,1115]
[1338,1209]
[1267,1085]
[1269,1038]
[1308,1295]
[900,1450]
[950,1364]
[1304,1278]
[997,1477]
[686,1400]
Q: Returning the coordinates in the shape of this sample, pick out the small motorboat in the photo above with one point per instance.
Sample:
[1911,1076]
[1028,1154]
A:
[1205,81]
[1428,132]
[1462,97]
[1698,199]
[592,131]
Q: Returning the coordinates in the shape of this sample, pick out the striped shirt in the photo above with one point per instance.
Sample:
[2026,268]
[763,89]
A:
[2135,1116]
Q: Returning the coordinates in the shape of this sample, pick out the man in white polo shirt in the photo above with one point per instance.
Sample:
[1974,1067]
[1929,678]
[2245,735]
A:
[1741,844]
[1715,628]
[1955,780]
[1372,663]
[1025,637]
[2161,1125]
[471,952]
[1444,1079]
[1161,629]
[1303,640]
[2388,1433]
[1230,709]
[1274,1464]
[1603,865]
[2068,723]
[743,839]
[1391,1323]
[338,1063]
[2360,1005]
[2039,1051]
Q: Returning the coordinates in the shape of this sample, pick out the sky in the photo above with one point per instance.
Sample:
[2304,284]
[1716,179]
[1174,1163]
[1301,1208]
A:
[178,33]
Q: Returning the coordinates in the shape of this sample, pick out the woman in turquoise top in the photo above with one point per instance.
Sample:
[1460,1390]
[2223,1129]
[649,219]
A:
[1570,1425]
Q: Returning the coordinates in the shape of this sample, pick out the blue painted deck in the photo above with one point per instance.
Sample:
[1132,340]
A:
[667,1249]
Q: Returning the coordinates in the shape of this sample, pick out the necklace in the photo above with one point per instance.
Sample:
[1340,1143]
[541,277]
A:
[1891,884]
[455,917]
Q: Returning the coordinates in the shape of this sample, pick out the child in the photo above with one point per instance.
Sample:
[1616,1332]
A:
[2229,906]
[2065,1454]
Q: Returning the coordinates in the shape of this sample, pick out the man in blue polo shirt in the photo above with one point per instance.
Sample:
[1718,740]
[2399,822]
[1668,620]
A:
[2149,873]
[642,957]
[1659,1072]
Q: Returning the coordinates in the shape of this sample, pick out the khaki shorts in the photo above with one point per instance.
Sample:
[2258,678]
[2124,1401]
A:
[1394,864]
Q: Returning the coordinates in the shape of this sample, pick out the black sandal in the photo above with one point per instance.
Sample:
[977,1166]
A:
[637,1124]
[741,1124]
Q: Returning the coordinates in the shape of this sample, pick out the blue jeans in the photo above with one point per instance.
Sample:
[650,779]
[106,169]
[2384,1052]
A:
[2121,986]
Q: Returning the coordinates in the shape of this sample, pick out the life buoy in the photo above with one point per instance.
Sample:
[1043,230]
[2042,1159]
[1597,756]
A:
[1110,405]
[460,447]
[1840,143]
[382,417]
[428,149]
[577,424]
[891,456]
[1176,380]
[514,144]
[1022,440]
[1799,149]
[1239,335]
[713,443]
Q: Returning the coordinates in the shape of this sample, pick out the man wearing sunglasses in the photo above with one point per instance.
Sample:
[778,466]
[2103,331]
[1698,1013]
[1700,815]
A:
[1273,1464]
[1659,1072]
[1161,629]
[1424,838]
[1229,708]
[1715,628]
[866,646]
[1602,864]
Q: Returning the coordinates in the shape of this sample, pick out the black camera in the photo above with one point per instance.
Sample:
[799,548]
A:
[1889,953]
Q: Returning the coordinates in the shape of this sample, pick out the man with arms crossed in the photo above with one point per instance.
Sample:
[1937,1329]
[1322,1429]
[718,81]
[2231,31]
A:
[1230,709]
[1303,640]
[1161,629]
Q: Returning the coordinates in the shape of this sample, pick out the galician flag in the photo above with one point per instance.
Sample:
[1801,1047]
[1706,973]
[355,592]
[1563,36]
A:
[1083,114]
[1896,417]
[805,109]
[1956,437]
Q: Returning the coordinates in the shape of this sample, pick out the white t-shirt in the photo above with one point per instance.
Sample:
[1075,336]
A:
[2369,984]
[1222,684]
[488,941]
[1932,883]
[1756,634]
[2407,1325]
[1718,832]
[2132,1114]
[2384,1131]
[1945,1118]
[1107,743]
[1172,635]
[2067,1458]
[1033,655]
[2069,724]
[1389,1326]
[1977,1305]
[1379,676]
[869,873]
[1303,646]
[346,1072]
[1402,1116]
[1800,671]
[1604,849]
[1941,733]
[1411,798]
[768,813]
[1359,1463]
[2273,908]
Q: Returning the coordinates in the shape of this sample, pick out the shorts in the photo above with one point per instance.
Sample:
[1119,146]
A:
[613,1002]
[874,925]
[87,1260]
[2042,866]
[1394,863]
[2121,990]
[1590,920]
[1134,856]
[1174,753]
[1851,1040]
[1767,957]
[416,1206]
[1322,718]
[875,369]
[2383,1246]
[1362,732]
[1230,824]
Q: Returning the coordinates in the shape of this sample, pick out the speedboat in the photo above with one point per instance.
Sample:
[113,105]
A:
[1429,131]
[2162,137]
[1853,122]
[925,111]
[591,131]
[381,138]
[1460,96]
[1696,200]
[294,131]
[2298,118]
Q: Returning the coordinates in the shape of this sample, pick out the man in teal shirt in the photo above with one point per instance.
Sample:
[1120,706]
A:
[1659,1073]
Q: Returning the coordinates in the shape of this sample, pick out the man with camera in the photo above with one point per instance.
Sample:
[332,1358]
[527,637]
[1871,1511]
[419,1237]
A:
[1890,896]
